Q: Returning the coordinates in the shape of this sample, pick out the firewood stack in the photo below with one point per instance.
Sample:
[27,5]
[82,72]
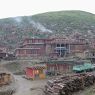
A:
[69,84]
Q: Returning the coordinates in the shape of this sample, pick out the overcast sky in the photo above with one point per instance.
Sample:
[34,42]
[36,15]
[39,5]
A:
[12,8]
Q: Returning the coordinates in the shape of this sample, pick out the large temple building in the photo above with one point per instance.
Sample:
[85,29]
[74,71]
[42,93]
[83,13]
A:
[54,46]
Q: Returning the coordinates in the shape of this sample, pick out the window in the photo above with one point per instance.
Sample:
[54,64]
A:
[58,45]
[62,45]
[93,54]
[28,51]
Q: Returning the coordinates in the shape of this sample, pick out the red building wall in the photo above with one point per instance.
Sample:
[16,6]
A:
[63,68]
[29,73]
[38,47]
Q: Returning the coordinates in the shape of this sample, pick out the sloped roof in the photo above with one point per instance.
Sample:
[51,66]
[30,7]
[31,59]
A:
[58,36]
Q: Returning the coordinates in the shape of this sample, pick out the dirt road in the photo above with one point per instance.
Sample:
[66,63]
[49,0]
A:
[25,85]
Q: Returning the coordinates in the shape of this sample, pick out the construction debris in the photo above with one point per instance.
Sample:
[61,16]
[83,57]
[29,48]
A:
[67,85]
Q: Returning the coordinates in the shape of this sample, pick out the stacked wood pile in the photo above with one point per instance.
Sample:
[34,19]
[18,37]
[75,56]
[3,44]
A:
[5,79]
[67,85]
[7,84]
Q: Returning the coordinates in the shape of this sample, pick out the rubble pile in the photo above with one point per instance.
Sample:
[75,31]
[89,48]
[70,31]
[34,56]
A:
[67,85]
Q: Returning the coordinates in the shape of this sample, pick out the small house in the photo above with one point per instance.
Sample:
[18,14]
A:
[35,72]
[59,67]
[90,54]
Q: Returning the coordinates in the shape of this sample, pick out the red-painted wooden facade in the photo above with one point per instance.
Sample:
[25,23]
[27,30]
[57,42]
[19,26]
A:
[35,71]
[57,67]
[40,47]
[29,73]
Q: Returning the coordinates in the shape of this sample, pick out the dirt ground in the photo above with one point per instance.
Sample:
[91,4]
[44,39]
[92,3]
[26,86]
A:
[29,87]
[87,91]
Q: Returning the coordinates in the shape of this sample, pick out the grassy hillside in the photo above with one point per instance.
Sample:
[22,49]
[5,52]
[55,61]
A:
[67,21]
[14,30]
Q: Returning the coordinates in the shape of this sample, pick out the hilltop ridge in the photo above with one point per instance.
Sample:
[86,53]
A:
[14,30]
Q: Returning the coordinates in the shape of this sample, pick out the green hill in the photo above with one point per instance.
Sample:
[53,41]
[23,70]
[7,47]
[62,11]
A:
[67,21]
[14,30]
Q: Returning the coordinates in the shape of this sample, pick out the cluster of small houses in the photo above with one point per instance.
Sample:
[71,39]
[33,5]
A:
[55,68]
[53,48]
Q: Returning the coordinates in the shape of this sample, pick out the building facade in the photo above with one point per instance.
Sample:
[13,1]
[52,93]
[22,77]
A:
[54,46]
[35,72]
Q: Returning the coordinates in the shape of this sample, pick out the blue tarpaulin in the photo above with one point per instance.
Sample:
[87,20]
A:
[84,67]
